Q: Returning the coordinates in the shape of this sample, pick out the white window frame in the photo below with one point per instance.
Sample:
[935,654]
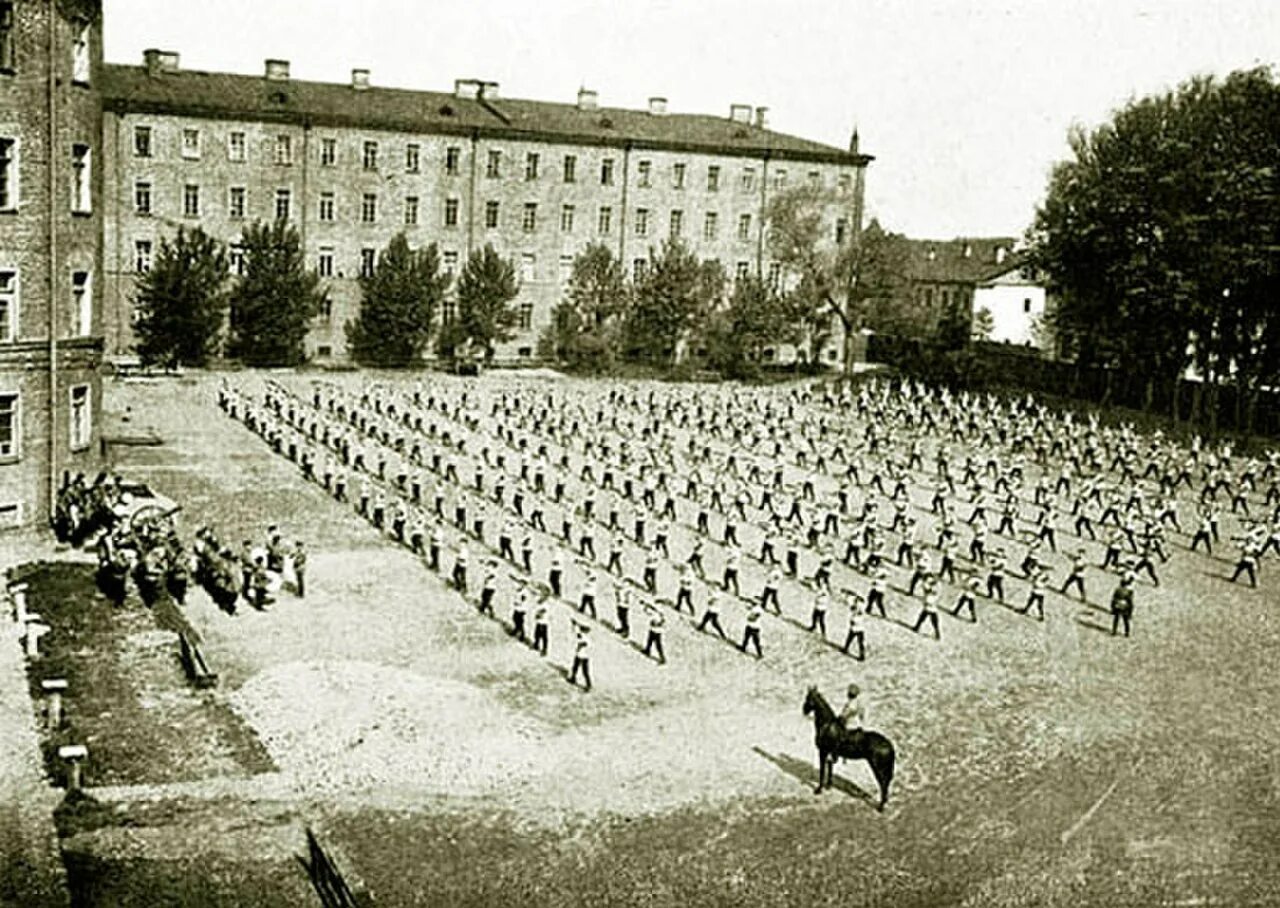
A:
[151,198]
[14,454]
[324,262]
[14,297]
[82,53]
[411,208]
[412,157]
[80,436]
[283,194]
[82,178]
[369,154]
[328,151]
[143,255]
[234,193]
[327,209]
[190,152]
[187,210]
[144,129]
[369,208]
[236,146]
[82,302]
[14,176]
[282,153]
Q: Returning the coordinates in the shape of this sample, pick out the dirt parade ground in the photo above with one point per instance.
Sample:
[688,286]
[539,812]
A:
[1040,760]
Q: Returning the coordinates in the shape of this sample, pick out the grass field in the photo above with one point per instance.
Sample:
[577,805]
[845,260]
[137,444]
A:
[1040,763]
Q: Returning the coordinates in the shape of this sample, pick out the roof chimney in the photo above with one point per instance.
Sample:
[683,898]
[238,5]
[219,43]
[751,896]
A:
[658,106]
[277,70]
[467,89]
[762,118]
[853,141]
[159,61]
[740,113]
[588,99]
[489,90]
[359,79]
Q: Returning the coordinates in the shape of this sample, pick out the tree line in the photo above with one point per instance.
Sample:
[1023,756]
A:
[1160,238]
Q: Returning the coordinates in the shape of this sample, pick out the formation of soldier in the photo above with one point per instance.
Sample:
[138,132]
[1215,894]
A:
[813,485]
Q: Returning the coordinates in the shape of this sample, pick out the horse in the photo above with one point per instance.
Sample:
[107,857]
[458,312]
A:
[834,741]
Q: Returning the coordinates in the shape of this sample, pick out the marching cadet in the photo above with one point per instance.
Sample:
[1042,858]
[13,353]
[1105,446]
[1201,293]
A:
[751,632]
[695,559]
[968,597]
[818,618]
[518,611]
[1035,595]
[731,572]
[299,557]
[929,611]
[995,576]
[622,605]
[505,538]
[684,590]
[710,613]
[460,570]
[433,550]
[615,555]
[855,633]
[653,641]
[650,576]
[526,553]
[588,600]
[581,654]
[555,573]
[540,626]
[875,596]
[488,587]
[1076,576]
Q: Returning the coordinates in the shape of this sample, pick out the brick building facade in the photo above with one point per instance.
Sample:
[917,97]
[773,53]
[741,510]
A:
[352,165]
[50,250]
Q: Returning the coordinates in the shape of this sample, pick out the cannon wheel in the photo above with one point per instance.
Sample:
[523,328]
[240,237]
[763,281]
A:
[147,517]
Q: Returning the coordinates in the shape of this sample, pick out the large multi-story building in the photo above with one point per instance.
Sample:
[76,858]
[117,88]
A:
[50,249]
[352,165]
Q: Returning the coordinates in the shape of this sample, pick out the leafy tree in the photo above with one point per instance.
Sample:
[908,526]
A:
[756,317]
[984,324]
[182,301]
[584,326]
[486,288]
[1161,239]
[861,281]
[276,298]
[399,302]
[670,299]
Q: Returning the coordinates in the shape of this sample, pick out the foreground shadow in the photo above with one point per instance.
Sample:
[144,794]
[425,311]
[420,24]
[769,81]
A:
[806,771]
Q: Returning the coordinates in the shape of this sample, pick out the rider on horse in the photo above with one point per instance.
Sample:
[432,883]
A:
[853,716]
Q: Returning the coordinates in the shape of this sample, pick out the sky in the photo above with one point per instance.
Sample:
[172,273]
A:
[965,105]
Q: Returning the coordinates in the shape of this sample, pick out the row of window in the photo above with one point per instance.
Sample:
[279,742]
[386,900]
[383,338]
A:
[81,47]
[237,209]
[81,303]
[283,154]
[11,176]
[81,422]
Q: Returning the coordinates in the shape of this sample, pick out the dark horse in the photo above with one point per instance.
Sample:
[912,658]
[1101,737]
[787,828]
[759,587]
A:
[834,741]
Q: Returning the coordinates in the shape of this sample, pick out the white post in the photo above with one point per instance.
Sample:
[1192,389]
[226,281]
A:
[73,755]
[35,630]
[54,687]
[18,593]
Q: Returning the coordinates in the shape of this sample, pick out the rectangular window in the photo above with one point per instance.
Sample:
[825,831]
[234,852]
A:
[491,215]
[710,225]
[328,152]
[842,229]
[748,179]
[81,178]
[571,168]
[744,227]
[642,222]
[606,172]
[448,312]
[82,301]
[368,261]
[566,219]
[493,169]
[744,269]
[10,427]
[190,143]
[639,267]
[81,418]
[327,207]
[451,212]
[284,204]
[142,141]
[452,155]
[142,197]
[142,256]
[370,157]
[528,266]
[775,275]
[235,147]
[235,259]
[713,178]
[677,176]
[235,203]
[529,219]
[566,269]
[531,166]
[450,263]
[8,305]
[411,211]
[644,174]
[9,174]
[7,55]
[412,157]
[284,150]
[324,267]
[81,56]
[191,200]
[369,208]
[524,316]
[605,224]
[779,179]
[844,182]
[677,223]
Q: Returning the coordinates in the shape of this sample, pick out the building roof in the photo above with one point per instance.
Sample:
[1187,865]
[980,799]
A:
[134,89]
[961,261]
